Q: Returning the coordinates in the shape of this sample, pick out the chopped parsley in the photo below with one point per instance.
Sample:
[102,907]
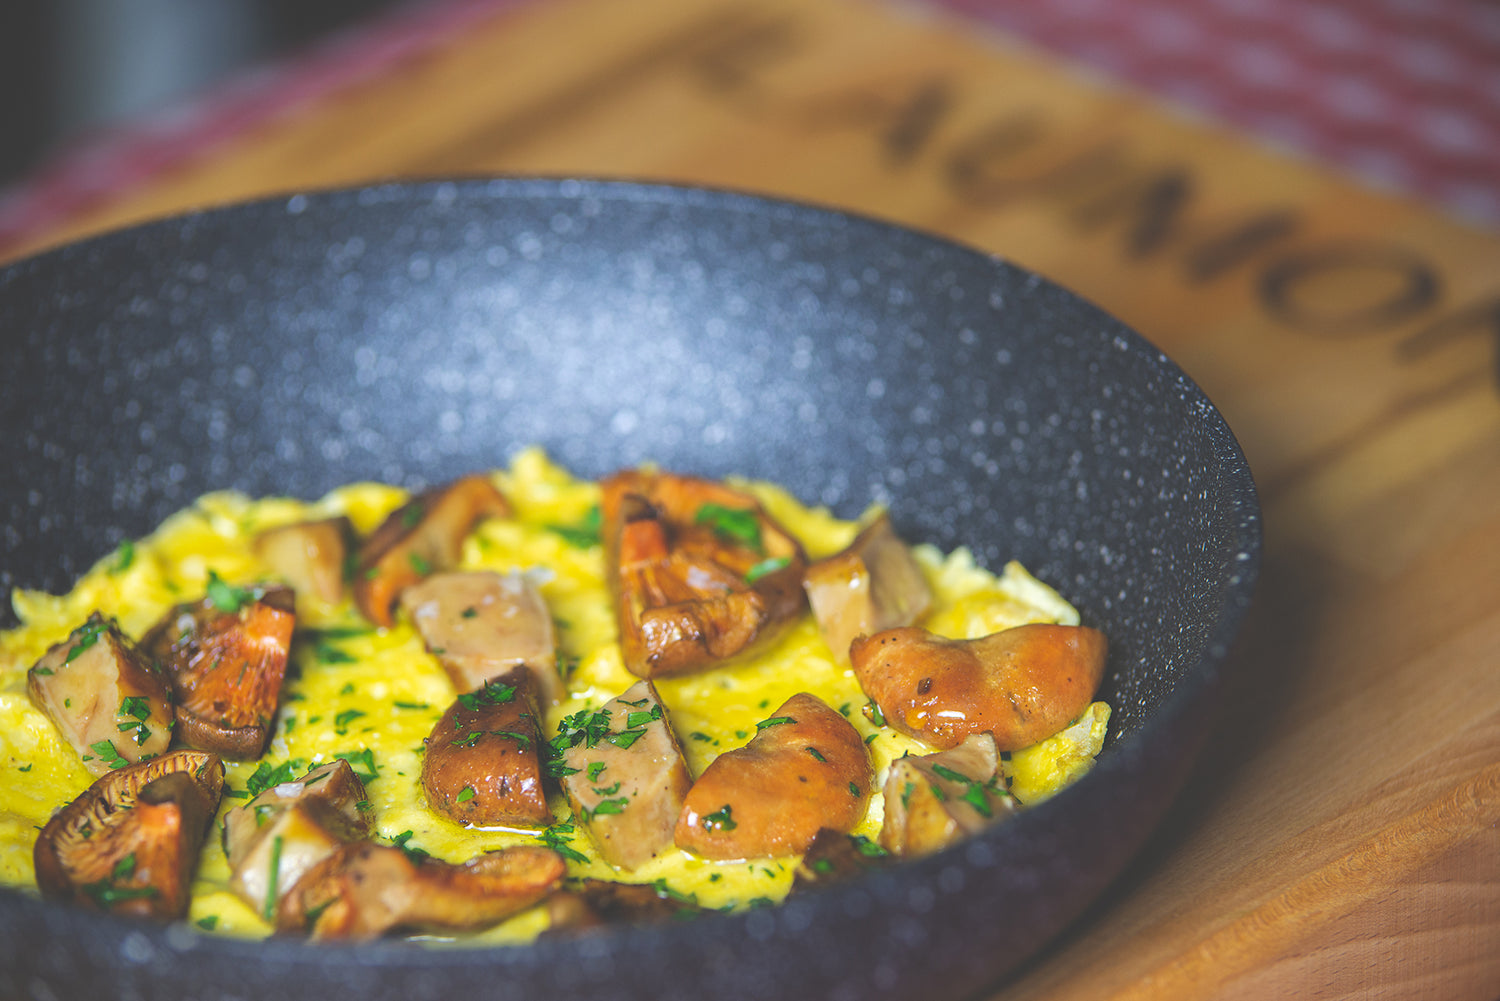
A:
[363,763]
[586,727]
[866,847]
[559,838]
[583,535]
[137,706]
[469,612]
[411,705]
[595,769]
[226,597]
[767,566]
[107,754]
[265,776]
[853,789]
[419,563]
[342,720]
[720,820]
[731,524]
[464,795]
[873,714]
[815,753]
[84,637]
[272,874]
[696,735]
[635,719]
[411,515]
[494,693]
[522,740]
[327,653]
[625,738]
[124,556]
[976,798]
[208,922]
[773,721]
[610,806]
[667,893]
[412,852]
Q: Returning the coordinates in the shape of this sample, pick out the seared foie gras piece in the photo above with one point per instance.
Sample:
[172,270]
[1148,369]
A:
[483,763]
[805,769]
[872,585]
[627,786]
[130,842]
[364,890]
[835,856]
[425,534]
[595,903]
[1021,685]
[309,556]
[481,624]
[226,656]
[104,696]
[275,838]
[699,572]
[933,800]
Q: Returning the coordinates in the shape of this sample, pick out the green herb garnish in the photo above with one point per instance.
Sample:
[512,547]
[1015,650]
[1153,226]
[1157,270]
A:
[226,597]
[84,637]
[342,720]
[731,524]
[585,533]
[720,820]
[494,693]
[124,556]
[361,759]
[108,754]
[767,566]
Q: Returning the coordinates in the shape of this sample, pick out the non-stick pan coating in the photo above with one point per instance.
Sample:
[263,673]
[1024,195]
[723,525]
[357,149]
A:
[412,333]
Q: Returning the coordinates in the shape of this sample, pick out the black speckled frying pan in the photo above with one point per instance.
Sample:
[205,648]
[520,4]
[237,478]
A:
[412,333]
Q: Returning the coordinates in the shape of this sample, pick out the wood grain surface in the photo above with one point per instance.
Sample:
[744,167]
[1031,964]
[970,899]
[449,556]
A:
[1341,838]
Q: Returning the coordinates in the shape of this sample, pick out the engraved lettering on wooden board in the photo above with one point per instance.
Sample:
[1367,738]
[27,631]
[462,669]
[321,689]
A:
[1310,284]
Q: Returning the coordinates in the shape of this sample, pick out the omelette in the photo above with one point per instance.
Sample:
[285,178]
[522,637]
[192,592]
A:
[371,695]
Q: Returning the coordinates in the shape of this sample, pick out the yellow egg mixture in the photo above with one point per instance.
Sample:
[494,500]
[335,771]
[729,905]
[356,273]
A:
[353,688]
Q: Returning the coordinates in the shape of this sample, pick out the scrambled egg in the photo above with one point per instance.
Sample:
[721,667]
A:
[375,694]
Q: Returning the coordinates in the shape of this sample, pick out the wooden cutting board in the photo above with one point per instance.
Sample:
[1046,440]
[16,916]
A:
[1340,839]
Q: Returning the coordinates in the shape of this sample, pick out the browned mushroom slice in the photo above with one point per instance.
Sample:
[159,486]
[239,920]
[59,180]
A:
[130,842]
[594,903]
[364,890]
[483,762]
[1022,685]
[700,573]
[275,838]
[835,856]
[627,784]
[872,585]
[104,696]
[226,656]
[805,769]
[308,555]
[480,625]
[933,800]
[425,534]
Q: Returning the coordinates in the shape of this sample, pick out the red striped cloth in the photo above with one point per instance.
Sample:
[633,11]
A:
[1403,93]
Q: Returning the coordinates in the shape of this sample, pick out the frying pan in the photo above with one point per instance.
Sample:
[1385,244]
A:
[415,332]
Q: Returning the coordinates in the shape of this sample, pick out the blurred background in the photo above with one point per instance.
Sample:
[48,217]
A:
[71,67]
[1404,93]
